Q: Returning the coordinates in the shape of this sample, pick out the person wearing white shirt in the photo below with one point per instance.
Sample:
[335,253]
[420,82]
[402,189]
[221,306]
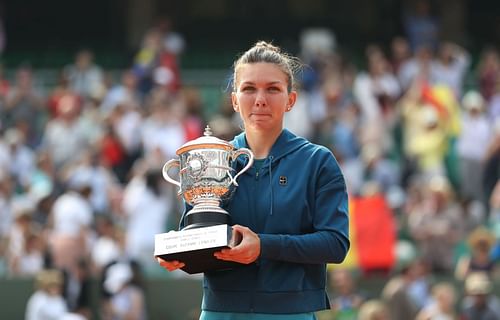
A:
[147,209]
[47,302]
[72,217]
[475,135]
[451,67]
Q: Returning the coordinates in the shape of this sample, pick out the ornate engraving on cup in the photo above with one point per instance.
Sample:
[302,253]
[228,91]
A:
[206,174]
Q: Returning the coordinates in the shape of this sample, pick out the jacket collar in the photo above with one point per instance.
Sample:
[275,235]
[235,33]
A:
[286,143]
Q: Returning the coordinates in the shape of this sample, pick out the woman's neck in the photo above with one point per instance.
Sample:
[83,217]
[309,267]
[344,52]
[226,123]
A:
[261,142]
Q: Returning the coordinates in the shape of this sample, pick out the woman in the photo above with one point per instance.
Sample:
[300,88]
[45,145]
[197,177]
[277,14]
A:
[47,301]
[290,207]
[480,241]
[443,305]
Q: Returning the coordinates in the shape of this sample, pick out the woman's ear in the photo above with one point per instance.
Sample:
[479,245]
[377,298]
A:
[292,97]
[234,102]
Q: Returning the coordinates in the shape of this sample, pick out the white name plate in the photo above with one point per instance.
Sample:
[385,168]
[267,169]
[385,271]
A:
[192,239]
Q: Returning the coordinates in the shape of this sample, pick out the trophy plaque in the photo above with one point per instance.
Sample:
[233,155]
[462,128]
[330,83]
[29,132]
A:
[206,179]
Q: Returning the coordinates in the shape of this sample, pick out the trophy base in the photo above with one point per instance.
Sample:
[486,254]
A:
[203,219]
[195,247]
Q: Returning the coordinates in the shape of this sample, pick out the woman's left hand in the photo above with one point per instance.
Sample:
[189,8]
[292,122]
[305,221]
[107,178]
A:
[246,252]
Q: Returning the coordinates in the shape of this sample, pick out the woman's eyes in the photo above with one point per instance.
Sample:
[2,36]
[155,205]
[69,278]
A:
[248,89]
[269,89]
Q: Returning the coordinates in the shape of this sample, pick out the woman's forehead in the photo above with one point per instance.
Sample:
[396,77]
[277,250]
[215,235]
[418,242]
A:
[260,72]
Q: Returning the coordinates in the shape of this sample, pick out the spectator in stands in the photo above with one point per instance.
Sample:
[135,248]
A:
[192,112]
[72,219]
[479,303]
[25,107]
[345,132]
[476,133]
[300,121]
[420,288]
[127,300]
[126,120]
[112,153]
[378,169]
[317,50]
[325,104]
[474,214]
[427,145]
[84,75]
[396,295]
[21,249]
[436,225]
[346,298]
[21,158]
[162,130]
[77,289]
[480,242]
[494,107]
[487,72]
[107,247]
[42,188]
[451,67]
[124,93]
[167,74]
[421,67]
[443,304]
[146,60]
[146,205]
[376,90]
[61,89]
[64,137]
[33,258]
[47,302]
[102,179]
[422,27]
[374,310]
[92,124]
[400,53]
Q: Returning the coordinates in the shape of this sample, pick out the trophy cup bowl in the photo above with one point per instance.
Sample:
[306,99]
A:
[206,181]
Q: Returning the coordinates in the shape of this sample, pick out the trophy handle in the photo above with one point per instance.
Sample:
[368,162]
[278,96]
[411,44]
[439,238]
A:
[236,154]
[166,167]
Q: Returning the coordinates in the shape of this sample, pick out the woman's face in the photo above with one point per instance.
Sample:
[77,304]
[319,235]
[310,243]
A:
[261,96]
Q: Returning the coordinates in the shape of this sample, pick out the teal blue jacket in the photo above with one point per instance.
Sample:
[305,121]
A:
[297,204]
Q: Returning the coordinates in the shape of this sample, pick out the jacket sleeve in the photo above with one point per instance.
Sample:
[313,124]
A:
[328,242]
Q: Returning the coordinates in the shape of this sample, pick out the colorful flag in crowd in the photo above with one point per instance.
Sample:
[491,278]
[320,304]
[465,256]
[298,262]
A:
[372,233]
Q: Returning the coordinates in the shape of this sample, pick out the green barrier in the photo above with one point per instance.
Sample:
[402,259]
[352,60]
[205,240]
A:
[172,299]
[165,298]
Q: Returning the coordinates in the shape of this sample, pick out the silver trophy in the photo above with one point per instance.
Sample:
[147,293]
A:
[207,178]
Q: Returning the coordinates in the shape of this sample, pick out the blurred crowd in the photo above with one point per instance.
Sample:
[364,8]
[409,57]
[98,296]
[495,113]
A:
[81,189]
[419,126]
[416,122]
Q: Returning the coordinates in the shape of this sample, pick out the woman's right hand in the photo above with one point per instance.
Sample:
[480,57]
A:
[170,265]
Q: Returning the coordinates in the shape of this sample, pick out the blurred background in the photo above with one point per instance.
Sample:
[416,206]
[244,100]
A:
[95,96]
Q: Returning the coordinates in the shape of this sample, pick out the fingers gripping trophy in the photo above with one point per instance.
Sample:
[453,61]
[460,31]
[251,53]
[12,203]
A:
[206,180]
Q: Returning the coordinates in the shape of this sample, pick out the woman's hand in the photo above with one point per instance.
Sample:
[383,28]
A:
[246,252]
[170,265]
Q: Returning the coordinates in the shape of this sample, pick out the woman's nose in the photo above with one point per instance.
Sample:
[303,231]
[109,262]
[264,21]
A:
[260,99]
